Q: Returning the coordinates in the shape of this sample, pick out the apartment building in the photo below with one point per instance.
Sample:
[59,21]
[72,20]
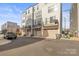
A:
[74,21]
[43,20]
[10,27]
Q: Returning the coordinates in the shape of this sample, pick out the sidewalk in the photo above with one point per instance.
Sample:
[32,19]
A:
[71,38]
[74,38]
[34,37]
[4,41]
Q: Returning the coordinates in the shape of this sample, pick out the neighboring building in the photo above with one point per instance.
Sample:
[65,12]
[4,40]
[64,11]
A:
[10,27]
[74,21]
[43,20]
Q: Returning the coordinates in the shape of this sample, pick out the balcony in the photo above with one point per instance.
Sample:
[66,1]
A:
[28,27]
[51,26]
[37,25]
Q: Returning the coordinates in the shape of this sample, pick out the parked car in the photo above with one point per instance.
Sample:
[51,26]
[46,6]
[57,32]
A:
[10,35]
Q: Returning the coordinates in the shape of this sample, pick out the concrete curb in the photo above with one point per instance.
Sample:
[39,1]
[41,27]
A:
[41,38]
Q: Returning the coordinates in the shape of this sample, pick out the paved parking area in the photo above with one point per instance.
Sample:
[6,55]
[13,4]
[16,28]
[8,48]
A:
[4,41]
[40,47]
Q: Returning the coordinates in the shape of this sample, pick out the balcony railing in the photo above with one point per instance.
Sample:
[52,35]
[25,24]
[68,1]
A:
[29,26]
[54,22]
[50,27]
[53,25]
[38,24]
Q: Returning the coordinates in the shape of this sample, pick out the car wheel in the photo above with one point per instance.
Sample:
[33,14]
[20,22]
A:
[4,38]
[14,37]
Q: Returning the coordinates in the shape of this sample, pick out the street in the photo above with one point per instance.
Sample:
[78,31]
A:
[24,46]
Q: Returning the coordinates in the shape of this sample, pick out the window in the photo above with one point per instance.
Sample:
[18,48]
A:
[25,12]
[56,21]
[38,14]
[39,21]
[51,19]
[45,3]
[23,21]
[28,22]
[50,9]
[55,7]
[35,22]
[37,7]
[28,11]
[46,21]
[54,17]
[33,8]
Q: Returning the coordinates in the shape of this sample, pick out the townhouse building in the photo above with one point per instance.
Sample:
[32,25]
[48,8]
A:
[27,22]
[42,20]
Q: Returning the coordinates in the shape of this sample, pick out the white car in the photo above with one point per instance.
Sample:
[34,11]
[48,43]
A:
[10,35]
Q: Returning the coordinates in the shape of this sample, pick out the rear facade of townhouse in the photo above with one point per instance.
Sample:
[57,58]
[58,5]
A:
[42,20]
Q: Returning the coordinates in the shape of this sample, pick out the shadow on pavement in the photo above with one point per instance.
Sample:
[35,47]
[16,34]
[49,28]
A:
[21,41]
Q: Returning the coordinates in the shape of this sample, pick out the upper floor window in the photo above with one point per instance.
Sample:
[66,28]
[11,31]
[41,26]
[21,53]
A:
[55,7]
[51,19]
[33,8]
[28,11]
[46,21]
[50,9]
[38,14]
[37,7]
[45,3]
[23,21]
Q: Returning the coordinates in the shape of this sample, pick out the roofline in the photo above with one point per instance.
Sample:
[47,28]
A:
[30,7]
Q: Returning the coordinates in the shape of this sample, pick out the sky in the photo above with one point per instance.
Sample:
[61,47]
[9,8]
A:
[66,7]
[13,11]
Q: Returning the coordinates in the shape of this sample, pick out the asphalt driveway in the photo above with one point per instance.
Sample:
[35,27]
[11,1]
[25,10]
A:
[24,46]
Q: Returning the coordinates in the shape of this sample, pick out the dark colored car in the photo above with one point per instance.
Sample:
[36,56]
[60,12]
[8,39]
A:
[10,35]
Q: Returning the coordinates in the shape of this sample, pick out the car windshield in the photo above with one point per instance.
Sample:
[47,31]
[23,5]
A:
[10,33]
